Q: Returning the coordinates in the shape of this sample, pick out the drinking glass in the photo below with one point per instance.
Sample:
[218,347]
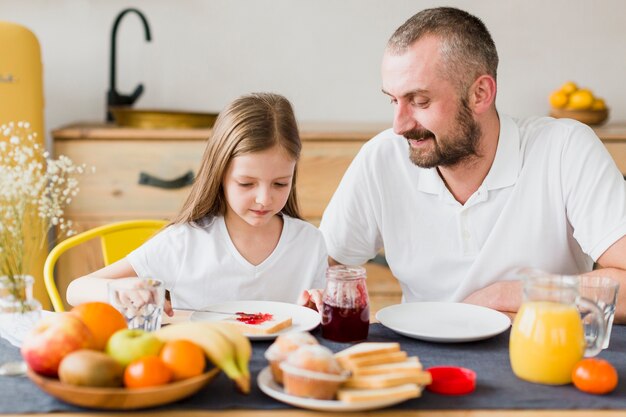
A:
[602,291]
[140,300]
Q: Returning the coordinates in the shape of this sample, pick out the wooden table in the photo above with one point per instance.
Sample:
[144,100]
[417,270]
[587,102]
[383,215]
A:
[488,385]
[382,413]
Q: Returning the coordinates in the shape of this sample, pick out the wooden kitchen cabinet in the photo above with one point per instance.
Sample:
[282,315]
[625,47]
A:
[121,155]
[613,136]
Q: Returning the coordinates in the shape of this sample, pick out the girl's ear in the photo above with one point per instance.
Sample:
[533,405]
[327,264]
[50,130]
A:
[482,94]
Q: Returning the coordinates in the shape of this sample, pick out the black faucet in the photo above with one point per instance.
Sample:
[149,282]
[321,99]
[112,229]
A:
[113,97]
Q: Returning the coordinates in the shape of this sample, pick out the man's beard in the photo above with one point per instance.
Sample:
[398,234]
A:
[451,149]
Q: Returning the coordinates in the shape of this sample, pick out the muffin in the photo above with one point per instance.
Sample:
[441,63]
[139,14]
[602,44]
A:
[282,347]
[312,372]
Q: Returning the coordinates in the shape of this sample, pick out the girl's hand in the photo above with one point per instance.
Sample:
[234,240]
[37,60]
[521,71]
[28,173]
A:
[167,308]
[311,299]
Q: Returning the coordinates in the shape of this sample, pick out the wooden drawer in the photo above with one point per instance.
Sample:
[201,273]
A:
[114,191]
[617,149]
[320,170]
[613,135]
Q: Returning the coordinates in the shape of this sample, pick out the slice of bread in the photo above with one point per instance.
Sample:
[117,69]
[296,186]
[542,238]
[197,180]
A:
[367,349]
[378,359]
[404,391]
[391,379]
[276,324]
[410,366]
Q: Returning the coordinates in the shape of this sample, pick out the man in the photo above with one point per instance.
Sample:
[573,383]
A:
[461,196]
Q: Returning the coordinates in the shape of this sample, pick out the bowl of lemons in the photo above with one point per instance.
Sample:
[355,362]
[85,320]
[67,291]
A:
[578,103]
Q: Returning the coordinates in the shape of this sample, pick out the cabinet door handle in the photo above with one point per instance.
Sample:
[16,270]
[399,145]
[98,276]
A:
[152,181]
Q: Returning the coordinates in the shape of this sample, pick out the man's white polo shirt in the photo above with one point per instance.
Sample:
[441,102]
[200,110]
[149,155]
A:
[553,199]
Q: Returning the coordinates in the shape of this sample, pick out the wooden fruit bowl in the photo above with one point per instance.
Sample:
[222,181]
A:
[122,398]
[589,117]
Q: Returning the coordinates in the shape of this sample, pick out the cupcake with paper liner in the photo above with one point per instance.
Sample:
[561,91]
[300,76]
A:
[312,372]
[282,347]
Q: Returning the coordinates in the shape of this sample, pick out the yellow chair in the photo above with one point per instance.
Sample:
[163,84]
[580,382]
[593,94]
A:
[117,240]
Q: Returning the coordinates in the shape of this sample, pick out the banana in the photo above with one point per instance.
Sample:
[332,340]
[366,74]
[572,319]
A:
[219,350]
[243,349]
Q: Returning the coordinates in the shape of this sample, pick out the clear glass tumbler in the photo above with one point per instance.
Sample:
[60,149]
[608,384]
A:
[140,300]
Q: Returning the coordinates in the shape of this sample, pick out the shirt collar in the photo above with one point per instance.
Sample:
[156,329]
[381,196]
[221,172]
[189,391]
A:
[429,181]
[503,172]
[505,168]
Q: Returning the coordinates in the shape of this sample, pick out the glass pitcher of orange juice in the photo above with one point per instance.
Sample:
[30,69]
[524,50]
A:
[548,335]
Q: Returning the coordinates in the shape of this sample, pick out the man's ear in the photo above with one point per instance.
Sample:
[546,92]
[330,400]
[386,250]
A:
[482,94]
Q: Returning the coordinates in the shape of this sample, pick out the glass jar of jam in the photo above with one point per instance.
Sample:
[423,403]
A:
[346,309]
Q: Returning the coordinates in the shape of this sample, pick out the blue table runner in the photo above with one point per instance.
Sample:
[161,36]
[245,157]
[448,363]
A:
[497,387]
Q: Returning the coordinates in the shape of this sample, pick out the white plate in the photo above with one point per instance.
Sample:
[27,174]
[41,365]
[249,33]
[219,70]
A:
[270,387]
[303,319]
[443,322]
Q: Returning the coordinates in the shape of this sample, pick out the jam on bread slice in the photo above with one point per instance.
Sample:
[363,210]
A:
[259,323]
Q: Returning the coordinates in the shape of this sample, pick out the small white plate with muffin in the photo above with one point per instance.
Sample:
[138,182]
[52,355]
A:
[271,388]
[274,318]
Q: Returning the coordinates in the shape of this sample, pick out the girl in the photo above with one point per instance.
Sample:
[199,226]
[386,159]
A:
[239,235]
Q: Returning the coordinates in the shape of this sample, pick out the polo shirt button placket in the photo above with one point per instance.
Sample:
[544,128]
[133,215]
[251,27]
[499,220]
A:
[467,244]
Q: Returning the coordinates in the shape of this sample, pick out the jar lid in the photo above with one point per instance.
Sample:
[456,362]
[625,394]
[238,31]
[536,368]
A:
[451,380]
[345,272]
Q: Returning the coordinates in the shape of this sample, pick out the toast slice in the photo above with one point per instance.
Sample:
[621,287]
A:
[367,349]
[378,359]
[391,379]
[274,325]
[410,366]
[404,391]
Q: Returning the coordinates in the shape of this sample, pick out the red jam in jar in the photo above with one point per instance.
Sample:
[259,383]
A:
[346,310]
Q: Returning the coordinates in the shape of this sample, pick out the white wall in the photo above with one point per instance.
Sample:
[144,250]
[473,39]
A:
[322,54]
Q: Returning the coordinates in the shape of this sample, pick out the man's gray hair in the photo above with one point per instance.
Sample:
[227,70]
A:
[467,48]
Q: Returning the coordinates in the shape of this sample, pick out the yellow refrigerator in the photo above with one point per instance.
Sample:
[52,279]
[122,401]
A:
[21,99]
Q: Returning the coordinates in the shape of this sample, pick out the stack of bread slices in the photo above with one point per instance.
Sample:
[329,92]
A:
[380,371]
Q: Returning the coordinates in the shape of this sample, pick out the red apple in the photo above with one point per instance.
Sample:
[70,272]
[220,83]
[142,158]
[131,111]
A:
[52,339]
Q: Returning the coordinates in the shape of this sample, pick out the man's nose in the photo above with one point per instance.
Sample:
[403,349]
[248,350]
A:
[404,119]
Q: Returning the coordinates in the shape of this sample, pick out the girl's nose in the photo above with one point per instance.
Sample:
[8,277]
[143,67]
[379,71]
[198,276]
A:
[263,196]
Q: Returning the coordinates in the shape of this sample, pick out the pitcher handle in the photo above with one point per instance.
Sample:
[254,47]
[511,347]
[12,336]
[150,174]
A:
[594,328]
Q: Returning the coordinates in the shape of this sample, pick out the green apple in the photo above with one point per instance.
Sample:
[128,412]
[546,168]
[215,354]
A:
[126,345]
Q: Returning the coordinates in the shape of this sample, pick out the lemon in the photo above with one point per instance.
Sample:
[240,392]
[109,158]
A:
[558,99]
[580,100]
[598,104]
[569,87]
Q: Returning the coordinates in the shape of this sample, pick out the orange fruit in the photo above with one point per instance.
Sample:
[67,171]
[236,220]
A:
[184,358]
[148,371]
[102,319]
[569,87]
[558,99]
[595,376]
[598,104]
[580,100]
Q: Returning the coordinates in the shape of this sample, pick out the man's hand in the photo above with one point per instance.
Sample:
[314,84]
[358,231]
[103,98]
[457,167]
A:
[311,299]
[503,296]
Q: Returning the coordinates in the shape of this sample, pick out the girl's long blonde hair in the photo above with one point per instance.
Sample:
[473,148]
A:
[251,123]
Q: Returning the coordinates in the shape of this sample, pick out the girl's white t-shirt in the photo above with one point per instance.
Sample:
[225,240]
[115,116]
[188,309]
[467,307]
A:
[201,266]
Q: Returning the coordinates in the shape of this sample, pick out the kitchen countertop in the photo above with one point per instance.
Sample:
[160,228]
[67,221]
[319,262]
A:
[308,131]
